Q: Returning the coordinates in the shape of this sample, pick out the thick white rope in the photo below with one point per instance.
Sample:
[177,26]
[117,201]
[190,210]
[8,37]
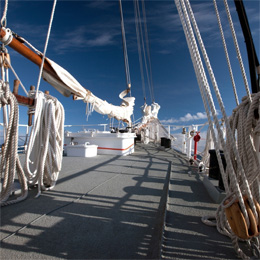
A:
[226,52]
[205,91]
[201,75]
[244,125]
[10,163]
[237,48]
[45,147]
[245,186]
[42,166]
[250,170]
[201,78]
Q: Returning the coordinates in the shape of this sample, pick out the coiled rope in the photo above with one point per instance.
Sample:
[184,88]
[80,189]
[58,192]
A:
[10,163]
[45,148]
[43,159]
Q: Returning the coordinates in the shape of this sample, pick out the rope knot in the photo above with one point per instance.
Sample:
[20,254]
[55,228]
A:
[4,92]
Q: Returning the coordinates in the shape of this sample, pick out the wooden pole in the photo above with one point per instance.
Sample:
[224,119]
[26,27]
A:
[30,115]
[16,86]
[21,99]
[29,54]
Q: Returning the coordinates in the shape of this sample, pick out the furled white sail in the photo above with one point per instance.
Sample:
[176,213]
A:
[150,112]
[68,85]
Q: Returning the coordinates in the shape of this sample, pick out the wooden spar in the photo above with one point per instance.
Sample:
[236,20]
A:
[29,54]
[21,99]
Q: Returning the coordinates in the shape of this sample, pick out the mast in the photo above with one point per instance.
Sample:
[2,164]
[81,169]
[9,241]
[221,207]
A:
[254,66]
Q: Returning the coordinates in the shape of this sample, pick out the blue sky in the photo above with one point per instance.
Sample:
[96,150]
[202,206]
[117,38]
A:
[86,40]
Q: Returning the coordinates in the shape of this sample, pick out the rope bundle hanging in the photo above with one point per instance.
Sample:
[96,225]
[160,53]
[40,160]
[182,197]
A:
[45,147]
[238,187]
[247,129]
[10,163]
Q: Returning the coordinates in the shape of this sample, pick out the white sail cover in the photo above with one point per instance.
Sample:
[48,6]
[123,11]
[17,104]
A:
[149,112]
[150,127]
[68,85]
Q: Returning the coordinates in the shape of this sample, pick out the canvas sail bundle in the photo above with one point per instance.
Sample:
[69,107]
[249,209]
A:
[66,84]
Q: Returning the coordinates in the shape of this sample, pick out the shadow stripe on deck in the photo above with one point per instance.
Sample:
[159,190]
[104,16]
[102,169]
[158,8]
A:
[107,207]
[184,235]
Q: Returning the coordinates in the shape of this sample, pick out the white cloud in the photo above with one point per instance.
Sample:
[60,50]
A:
[83,37]
[170,121]
[101,40]
[188,117]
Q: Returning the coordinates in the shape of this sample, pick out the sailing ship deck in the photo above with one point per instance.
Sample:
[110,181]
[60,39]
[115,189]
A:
[114,207]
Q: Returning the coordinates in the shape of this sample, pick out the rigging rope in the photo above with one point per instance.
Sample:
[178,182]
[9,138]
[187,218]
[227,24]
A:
[237,48]
[144,52]
[137,25]
[11,67]
[46,45]
[232,141]
[226,53]
[127,71]
[148,51]
[239,184]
